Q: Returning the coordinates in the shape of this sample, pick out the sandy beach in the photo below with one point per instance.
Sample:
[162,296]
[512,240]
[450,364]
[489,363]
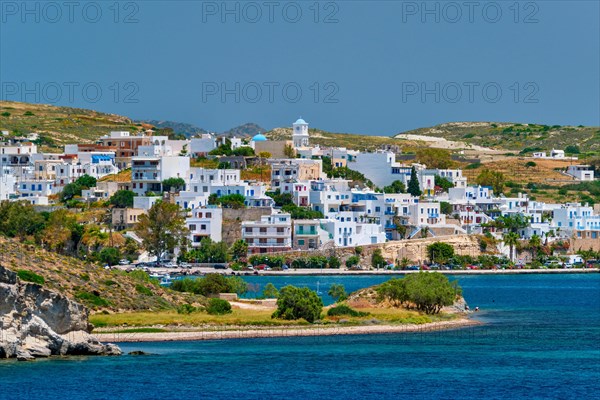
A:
[219,333]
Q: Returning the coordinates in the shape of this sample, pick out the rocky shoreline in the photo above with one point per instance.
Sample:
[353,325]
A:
[37,322]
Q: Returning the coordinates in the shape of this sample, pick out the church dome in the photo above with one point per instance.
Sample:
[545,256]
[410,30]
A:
[259,138]
[300,122]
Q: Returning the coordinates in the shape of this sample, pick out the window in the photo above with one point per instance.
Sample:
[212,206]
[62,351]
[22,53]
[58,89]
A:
[208,215]
[279,230]
[280,241]
[203,227]
[301,242]
[263,230]
[248,230]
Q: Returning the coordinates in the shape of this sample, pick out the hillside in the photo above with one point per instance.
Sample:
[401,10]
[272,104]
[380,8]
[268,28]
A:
[350,141]
[60,125]
[246,130]
[89,284]
[512,136]
[188,130]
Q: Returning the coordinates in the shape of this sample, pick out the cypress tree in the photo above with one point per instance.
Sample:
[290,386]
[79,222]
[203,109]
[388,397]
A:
[413,183]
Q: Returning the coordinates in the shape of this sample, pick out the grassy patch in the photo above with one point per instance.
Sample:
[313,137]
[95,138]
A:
[92,299]
[29,276]
[141,289]
[138,330]
[236,318]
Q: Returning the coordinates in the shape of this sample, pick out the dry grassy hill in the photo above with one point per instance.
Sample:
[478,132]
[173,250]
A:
[60,125]
[348,140]
[514,136]
[89,284]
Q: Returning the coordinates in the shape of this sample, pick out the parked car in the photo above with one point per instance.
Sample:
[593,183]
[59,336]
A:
[185,265]
[220,266]
[261,267]
[124,262]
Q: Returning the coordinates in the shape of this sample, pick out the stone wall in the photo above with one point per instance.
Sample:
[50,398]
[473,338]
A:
[415,249]
[232,221]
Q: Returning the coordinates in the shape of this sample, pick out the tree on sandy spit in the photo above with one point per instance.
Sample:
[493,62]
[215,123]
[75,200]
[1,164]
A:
[298,303]
[162,228]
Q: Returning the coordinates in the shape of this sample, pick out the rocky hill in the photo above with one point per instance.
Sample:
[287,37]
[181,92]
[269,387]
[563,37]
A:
[37,322]
[512,136]
[89,284]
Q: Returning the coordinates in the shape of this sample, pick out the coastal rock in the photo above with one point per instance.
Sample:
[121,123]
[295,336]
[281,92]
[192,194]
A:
[37,322]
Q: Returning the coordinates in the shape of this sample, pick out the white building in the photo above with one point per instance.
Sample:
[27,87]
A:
[148,173]
[272,233]
[574,216]
[202,145]
[300,135]
[581,172]
[205,222]
[346,230]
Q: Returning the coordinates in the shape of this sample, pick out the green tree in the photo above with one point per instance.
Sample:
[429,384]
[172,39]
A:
[74,189]
[109,255]
[377,260]
[434,158]
[413,184]
[511,239]
[393,291]
[296,303]
[446,208]
[535,244]
[173,184]
[530,164]
[352,262]
[239,250]
[235,201]
[19,219]
[162,228]
[337,291]
[494,179]
[443,183]
[270,291]
[122,199]
[218,307]
[395,187]
[572,149]
[440,252]
[244,151]
[430,291]
[289,151]
[587,255]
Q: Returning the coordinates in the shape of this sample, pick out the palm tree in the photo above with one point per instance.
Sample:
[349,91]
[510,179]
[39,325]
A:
[535,242]
[511,239]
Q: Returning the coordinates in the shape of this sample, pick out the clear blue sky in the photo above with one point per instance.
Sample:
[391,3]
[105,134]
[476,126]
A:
[374,67]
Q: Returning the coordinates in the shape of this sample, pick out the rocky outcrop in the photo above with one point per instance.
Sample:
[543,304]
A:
[37,322]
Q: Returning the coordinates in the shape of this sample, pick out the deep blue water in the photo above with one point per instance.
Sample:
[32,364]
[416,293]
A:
[541,339]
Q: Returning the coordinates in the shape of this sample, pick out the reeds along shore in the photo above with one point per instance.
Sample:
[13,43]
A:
[218,333]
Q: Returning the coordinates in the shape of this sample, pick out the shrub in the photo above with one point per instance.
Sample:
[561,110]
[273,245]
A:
[218,307]
[141,289]
[186,309]
[344,310]
[85,277]
[29,276]
[296,303]
[92,299]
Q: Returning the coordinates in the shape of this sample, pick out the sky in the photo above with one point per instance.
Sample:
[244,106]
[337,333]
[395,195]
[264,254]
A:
[370,67]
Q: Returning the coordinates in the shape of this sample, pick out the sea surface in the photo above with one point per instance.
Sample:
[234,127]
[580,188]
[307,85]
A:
[540,339]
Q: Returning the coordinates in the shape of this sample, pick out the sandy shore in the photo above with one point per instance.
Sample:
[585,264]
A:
[218,333]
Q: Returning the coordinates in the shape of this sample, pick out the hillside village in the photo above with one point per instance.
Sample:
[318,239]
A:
[283,195]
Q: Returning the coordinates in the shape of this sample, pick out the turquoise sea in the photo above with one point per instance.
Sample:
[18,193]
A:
[541,339]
